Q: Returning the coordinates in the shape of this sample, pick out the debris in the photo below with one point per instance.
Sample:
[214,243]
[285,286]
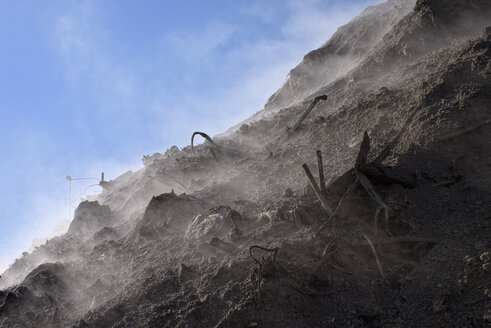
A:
[90,217]
[211,223]
[386,217]
[265,217]
[320,167]
[244,202]
[202,225]
[317,191]
[324,252]
[147,160]
[261,263]
[375,169]
[362,178]
[469,260]
[223,245]
[272,250]
[325,256]
[361,159]
[346,193]
[485,257]
[340,203]
[300,120]
[376,256]
[371,191]
[244,128]
[441,306]
[207,137]
[204,135]
[464,131]
[235,235]
[185,273]
[168,212]
[267,250]
[302,217]
[215,148]
[161,174]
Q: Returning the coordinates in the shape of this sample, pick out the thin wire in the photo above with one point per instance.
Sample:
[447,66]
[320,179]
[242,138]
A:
[85,190]
[84,193]
[86,179]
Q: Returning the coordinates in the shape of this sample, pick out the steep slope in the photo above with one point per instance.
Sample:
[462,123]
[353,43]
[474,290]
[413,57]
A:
[345,50]
[190,257]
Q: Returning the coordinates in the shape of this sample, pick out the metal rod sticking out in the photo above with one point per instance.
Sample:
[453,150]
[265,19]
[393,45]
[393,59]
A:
[207,137]
[300,120]
[322,182]
[317,191]
[204,135]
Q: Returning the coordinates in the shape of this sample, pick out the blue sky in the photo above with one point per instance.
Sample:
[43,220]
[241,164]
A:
[91,86]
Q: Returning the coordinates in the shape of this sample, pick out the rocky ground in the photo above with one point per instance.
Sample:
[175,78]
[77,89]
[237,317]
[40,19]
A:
[231,233]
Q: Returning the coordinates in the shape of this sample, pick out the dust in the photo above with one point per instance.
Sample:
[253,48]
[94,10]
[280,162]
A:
[238,237]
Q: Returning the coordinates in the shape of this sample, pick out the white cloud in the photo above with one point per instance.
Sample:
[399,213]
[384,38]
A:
[262,10]
[310,23]
[85,50]
[196,48]
[69,29]
[258,67]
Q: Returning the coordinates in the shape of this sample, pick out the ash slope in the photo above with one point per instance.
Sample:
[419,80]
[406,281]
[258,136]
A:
[426,74]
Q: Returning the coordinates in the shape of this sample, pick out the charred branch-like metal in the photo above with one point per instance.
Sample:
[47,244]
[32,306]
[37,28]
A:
[311,106]
[318,193]
[207,137]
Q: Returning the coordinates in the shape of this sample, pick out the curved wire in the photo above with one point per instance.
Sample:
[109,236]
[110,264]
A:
[85,190]
[207,137]
[175,180]
[84,193]
[204,135]
[86,179]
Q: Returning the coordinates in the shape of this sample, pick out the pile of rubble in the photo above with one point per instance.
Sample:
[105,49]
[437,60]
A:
[365,203]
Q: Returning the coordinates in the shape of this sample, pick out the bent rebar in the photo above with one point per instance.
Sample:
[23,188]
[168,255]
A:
[300,120]
[207,137]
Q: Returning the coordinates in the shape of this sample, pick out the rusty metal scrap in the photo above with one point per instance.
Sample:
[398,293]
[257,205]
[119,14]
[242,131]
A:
[311,106]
